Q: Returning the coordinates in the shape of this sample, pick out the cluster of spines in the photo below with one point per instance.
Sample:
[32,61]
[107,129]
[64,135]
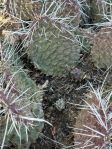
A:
[93,125]
[20,100]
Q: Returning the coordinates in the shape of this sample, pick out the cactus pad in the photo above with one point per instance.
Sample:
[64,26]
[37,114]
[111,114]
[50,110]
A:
[20,101]
[53,53]
[101,51]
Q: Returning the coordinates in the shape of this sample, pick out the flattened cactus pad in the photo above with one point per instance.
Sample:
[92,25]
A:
[101,51]
[20,103]
[53,53]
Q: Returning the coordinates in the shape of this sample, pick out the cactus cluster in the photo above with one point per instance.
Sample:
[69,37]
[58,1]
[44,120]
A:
[48,31]
[21,114]
[53,47]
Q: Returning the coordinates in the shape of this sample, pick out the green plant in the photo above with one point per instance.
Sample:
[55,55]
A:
[93,124]
[53,53]
[21,114]
[54,42]
[54,30]
[101,50]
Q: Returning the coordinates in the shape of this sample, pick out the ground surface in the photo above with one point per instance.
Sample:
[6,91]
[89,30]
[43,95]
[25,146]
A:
[71,89]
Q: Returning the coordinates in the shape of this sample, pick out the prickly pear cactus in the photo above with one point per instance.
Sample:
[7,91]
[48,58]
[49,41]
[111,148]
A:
[53,53]
[55,10]
[101,51]
[55,17]
[21,114]
[96,12]
[50,51]
[20,8]
[92,127]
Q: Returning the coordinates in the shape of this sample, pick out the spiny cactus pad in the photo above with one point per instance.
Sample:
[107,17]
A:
[20,101]
[101,51]
[93,124]
[53,53]
[30,10]
[24,9]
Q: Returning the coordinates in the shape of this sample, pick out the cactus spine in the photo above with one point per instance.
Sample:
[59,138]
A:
[21,111]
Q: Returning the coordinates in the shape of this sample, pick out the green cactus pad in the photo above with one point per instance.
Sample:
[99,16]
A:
[101,51]
[53,53]
[24,100]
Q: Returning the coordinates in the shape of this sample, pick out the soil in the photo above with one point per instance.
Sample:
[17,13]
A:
[71,89]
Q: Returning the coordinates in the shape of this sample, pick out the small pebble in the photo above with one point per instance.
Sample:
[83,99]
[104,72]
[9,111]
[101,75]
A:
[60,104]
